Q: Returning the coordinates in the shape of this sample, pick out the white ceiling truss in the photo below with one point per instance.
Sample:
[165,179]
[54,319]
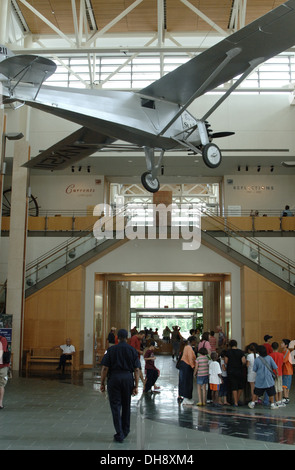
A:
[86,34]
[89,42]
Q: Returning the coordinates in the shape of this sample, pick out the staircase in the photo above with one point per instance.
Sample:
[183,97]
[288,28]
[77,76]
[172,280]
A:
[223,237]
[250,251]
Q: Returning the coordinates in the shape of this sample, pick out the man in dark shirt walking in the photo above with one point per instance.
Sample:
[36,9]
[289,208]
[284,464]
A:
[120,365]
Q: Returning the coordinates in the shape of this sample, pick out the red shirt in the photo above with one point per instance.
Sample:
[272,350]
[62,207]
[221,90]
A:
[268,348]
[212,341]
[278,358]
[149,364]
[136,343]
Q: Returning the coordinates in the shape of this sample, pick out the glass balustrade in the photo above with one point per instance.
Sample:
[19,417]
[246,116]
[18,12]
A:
[250,247]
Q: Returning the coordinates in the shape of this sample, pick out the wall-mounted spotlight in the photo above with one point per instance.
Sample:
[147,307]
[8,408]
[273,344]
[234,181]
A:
[80,168]
[88,169]
[73,169]
[258,168]
[271,168]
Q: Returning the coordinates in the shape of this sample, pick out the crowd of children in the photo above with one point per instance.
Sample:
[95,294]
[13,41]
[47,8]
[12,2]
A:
[263,373]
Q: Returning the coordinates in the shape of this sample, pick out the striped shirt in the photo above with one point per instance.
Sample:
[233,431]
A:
[203,365]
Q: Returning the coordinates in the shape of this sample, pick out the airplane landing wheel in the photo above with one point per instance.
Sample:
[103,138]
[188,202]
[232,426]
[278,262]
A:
[211,155]
[149,183]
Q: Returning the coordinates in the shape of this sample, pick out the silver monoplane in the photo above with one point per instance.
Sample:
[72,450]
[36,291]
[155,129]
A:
[156,118]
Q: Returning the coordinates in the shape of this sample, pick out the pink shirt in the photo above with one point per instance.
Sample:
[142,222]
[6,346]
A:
[205,344]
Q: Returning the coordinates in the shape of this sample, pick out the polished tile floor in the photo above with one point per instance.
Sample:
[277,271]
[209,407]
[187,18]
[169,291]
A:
[62,413]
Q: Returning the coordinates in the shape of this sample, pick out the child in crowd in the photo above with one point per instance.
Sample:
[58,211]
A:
[152,373]
[215,377]
[252,354]
[287,369]
[264,381]
[223,386]
[202,373]
[278,358]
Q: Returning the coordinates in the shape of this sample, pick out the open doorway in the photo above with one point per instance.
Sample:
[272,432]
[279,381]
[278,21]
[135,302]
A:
[157,304]
[156,301]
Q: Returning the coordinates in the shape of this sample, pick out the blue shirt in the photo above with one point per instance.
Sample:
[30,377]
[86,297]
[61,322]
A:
[121,358]
[263,374]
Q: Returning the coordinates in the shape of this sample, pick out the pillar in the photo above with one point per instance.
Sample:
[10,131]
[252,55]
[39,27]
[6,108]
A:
[2,150]
[17,248]
[211,305]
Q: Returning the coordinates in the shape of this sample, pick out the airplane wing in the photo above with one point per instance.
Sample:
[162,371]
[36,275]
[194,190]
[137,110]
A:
[264,38]
[75,147]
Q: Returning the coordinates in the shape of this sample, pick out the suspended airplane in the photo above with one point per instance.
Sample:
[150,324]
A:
[156,118]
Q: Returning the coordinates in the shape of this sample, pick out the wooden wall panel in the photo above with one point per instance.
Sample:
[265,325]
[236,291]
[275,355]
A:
[266,309]
[57,312]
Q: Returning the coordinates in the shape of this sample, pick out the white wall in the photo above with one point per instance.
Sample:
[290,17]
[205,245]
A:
[259,192]
[74,192]
[159,257]
[265,121]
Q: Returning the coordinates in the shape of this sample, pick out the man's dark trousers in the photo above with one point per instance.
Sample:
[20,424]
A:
[120,386]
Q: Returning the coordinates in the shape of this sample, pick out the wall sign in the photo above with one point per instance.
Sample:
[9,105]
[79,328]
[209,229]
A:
[79,190]
[253,188]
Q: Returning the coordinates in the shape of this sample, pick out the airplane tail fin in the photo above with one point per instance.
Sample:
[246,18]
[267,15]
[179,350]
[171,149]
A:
[25,68]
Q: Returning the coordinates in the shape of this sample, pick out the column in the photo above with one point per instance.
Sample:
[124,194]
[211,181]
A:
[17,248]
[211,305]
[2,150]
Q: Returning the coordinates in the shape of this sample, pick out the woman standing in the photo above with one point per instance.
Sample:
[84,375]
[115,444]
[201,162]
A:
[204,343]
[186,372]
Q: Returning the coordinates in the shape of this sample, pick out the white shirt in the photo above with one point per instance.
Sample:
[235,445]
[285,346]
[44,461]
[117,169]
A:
[67,349]
[214,371]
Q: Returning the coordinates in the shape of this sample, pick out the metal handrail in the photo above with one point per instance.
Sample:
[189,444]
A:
[228,228]
[262,249]
[65,246]
[242,234]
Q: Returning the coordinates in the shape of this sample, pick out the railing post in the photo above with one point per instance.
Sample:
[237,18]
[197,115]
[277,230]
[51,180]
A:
[37,268]
[67,255]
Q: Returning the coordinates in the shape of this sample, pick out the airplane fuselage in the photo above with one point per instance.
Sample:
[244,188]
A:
[121,115]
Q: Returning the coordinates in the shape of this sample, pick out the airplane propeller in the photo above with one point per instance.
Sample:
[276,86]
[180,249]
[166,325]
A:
[216,135]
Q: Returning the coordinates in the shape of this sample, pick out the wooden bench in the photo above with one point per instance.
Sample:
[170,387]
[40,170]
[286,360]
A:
[43,356]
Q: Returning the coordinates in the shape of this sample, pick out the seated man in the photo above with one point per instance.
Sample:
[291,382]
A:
[68,350]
